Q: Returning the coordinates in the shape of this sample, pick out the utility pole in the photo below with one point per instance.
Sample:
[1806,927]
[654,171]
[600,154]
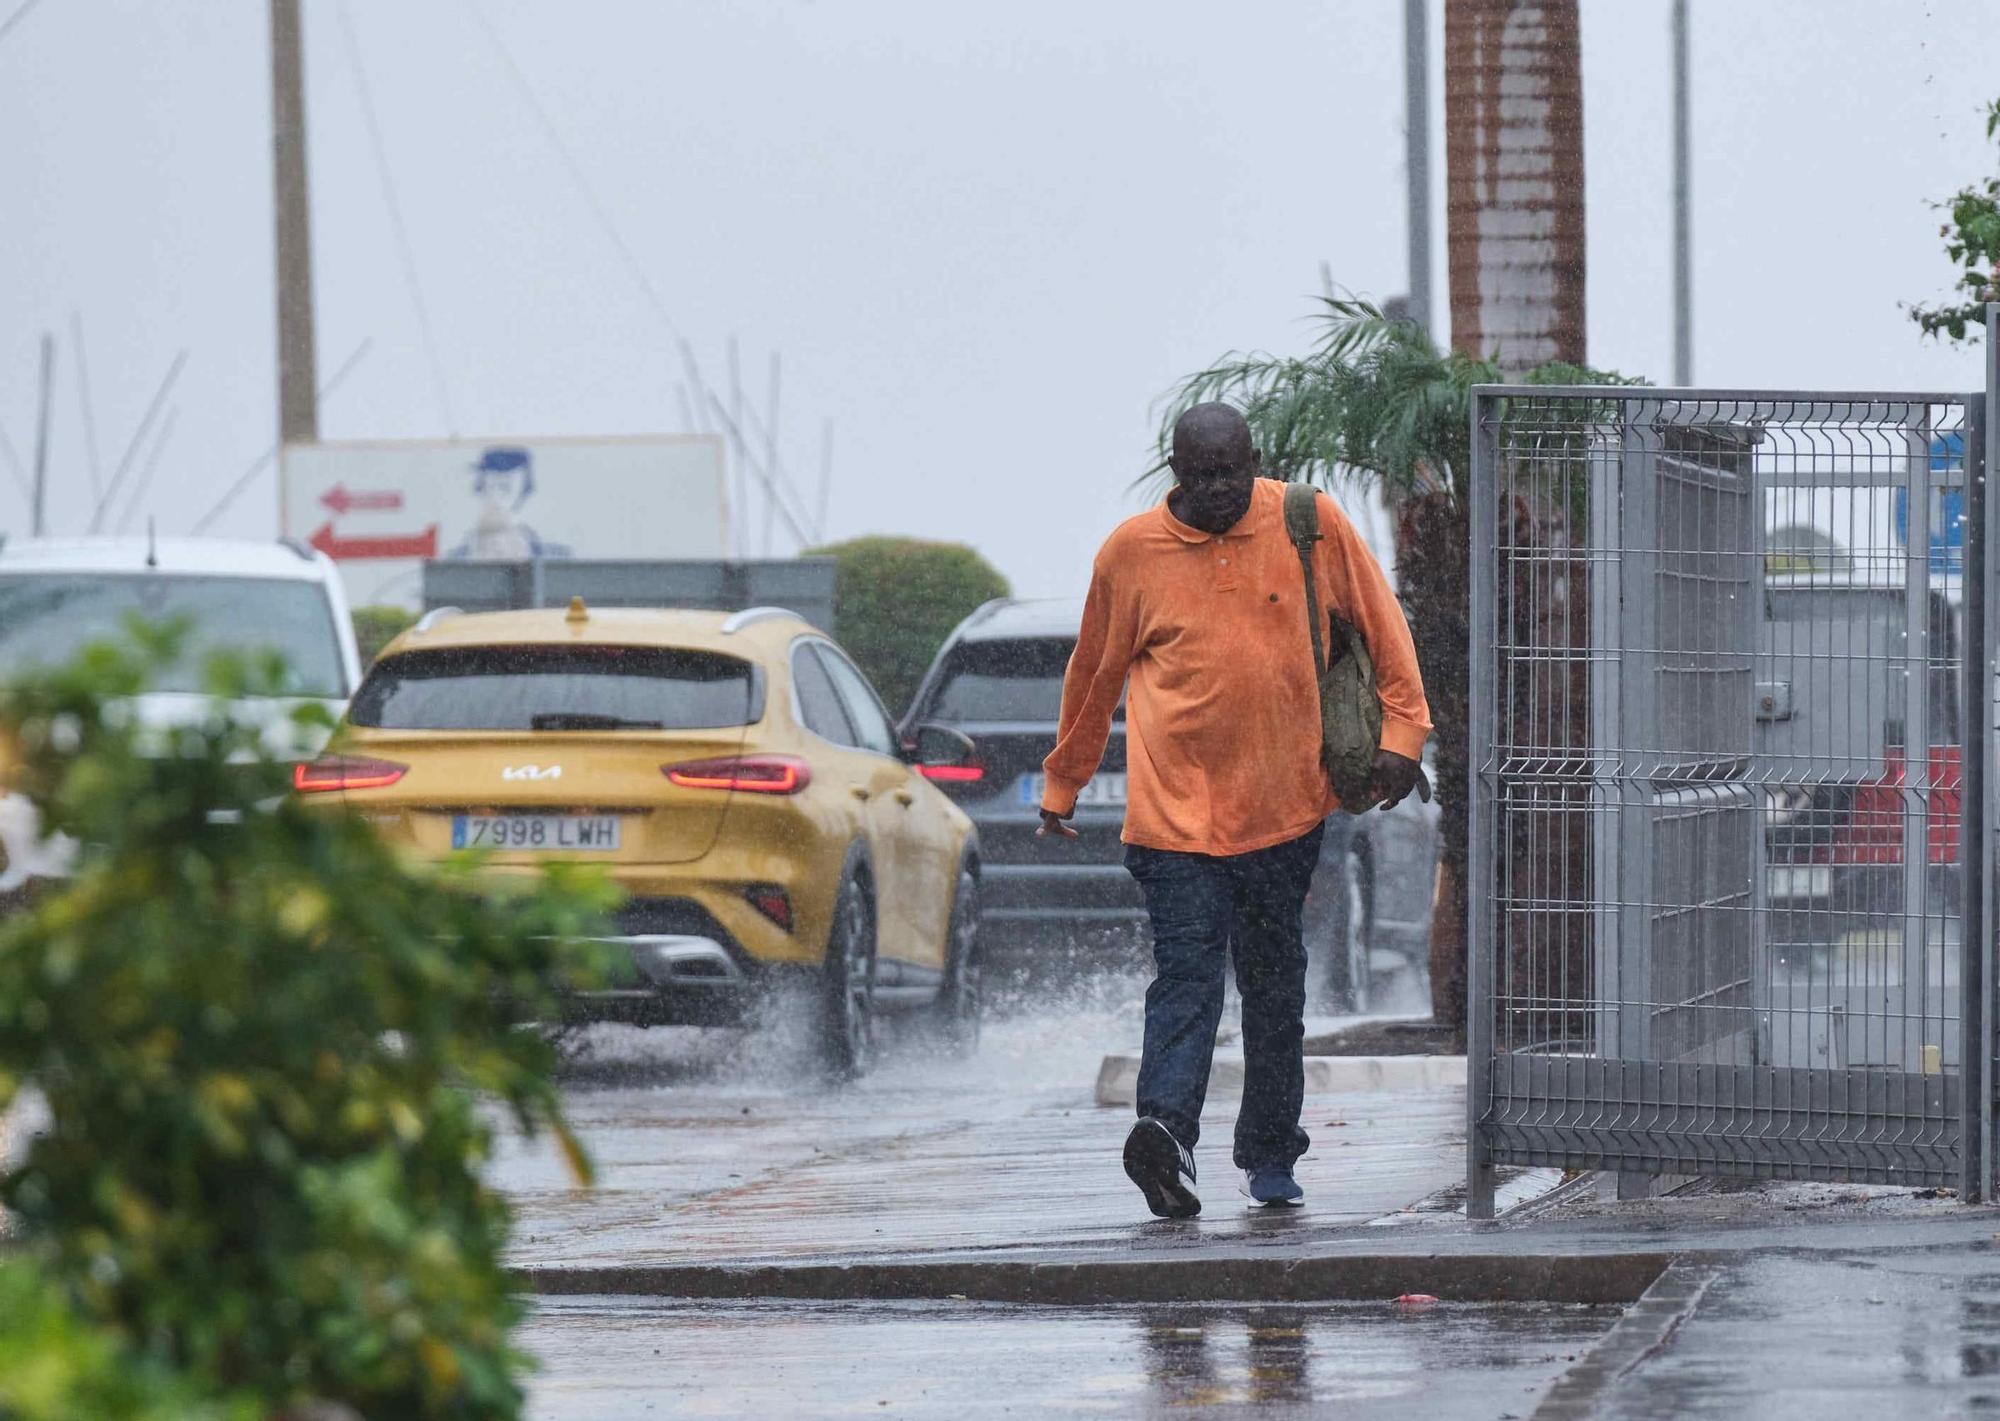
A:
[1417,154]
[1683,270]
[39,518]
[298,399]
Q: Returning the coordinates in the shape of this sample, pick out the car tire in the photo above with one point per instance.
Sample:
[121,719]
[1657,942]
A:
[961,998]
[847,983]
[1350,972]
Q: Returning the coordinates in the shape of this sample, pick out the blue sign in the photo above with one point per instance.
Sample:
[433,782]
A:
[1947,521]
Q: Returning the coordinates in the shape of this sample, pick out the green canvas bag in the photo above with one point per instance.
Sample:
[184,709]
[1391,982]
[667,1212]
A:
[1350,711]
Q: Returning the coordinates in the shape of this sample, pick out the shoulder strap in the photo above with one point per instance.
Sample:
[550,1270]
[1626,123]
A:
[1302,523]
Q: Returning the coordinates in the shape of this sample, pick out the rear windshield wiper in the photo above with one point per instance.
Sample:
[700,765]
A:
[583,720]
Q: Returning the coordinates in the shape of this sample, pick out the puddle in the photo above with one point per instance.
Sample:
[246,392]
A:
[640,1357]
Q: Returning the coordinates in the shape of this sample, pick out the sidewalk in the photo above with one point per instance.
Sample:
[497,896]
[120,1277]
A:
[747,1176]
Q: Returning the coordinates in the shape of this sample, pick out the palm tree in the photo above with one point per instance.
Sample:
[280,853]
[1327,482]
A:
[1375,404]
[1514,189]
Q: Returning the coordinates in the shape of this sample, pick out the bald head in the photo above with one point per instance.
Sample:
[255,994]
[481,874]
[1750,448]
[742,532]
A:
[1211,434]
[1215,468]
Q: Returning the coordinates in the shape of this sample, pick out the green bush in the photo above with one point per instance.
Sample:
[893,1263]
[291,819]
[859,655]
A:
[1971,236]
[895,600]
[376,627]
[260,1032]
[54,1366]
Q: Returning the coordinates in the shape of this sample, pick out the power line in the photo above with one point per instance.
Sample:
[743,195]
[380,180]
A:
[771,448]
[7,25]
[146,470]
[773,477]
[825,478]
[694,425]
[755,427]
[764,475]
[576,174]
[38,513]
[264,460]
[743,455]
[139,434]
[13,462]
[83,398]
[358,72]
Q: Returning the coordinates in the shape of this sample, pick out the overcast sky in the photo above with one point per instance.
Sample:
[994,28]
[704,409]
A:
[985,239]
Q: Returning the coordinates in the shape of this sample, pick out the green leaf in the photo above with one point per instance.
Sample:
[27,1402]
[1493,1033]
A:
[262,1035]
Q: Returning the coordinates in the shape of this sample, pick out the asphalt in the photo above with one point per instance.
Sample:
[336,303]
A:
[956,1239]
[618,1358]
[1809,1334]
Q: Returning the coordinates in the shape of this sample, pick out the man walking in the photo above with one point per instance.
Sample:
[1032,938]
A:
[1200,605]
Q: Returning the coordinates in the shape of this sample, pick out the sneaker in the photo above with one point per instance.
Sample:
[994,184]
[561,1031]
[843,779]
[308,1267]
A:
[1273,1185]
[1163,1168]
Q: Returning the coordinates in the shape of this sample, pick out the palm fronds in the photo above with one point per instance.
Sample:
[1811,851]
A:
[1373,402]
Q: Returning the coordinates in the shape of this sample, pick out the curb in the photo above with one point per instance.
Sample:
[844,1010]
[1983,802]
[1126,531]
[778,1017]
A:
[1579,1278]
[1646,1328]
[1118,1076]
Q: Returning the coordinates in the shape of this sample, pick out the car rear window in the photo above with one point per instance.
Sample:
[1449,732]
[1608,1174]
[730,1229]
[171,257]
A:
[45,617]
[558,688]
[1018,681]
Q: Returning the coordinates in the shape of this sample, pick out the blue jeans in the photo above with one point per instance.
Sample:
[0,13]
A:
[1204,909]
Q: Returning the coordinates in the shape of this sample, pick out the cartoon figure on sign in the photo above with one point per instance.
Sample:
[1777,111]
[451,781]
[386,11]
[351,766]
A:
[504,479]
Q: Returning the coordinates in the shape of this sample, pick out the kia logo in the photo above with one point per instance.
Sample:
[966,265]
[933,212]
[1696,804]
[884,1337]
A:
[532,772]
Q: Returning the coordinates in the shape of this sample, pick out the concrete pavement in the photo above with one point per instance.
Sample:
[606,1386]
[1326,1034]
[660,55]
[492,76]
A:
[709,1163]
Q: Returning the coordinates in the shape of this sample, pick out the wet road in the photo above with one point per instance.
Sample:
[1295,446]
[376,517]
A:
[1809,1336]
[608,1359]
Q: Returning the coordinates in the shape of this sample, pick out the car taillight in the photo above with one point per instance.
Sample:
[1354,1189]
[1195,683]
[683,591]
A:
[772,901]
[753,774]
[953,774]
[344,772]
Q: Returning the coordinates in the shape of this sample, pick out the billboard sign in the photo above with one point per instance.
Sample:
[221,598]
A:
[381,509]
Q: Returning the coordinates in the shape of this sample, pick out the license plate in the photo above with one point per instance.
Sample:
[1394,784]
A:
[1103,791]
[556,833]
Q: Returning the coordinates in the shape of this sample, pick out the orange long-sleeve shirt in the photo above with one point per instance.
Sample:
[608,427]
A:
[1222,721]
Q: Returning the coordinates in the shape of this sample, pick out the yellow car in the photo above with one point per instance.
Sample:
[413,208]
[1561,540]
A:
[735,773]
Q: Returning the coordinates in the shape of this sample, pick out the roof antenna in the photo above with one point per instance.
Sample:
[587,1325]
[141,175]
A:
[152,542]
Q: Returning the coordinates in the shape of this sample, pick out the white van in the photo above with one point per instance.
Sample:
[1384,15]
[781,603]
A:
[56,594]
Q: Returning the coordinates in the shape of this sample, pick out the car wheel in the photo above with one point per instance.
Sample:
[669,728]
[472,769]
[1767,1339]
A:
[961,999]
[847,989]
[1350,970]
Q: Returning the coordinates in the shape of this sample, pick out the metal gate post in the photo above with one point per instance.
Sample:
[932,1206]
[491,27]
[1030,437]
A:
[1916,710]
[1480,929]
[1977,794]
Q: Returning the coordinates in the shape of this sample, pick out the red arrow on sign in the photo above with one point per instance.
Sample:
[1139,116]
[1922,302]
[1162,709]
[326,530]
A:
[409,545]
[366,501]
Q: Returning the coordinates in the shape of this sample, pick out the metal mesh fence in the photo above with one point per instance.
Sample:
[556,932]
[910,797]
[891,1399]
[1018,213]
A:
[1716,906]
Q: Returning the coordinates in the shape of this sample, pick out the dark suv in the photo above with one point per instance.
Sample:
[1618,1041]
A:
[999,680]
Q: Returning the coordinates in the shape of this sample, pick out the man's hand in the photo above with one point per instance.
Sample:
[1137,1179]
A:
[1391,781]
[1053,826]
